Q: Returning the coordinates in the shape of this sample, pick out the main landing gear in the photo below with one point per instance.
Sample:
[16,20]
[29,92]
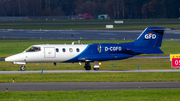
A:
[23,68]
[88,66]
[96,65]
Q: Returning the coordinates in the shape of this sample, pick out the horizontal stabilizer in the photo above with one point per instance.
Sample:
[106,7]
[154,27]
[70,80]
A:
[146,50]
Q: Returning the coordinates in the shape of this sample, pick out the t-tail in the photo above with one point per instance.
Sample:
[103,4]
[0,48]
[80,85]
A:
[149,41]
[150,37]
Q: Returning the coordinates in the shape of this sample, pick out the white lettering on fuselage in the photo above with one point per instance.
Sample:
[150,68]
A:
[150,36]
[113,48]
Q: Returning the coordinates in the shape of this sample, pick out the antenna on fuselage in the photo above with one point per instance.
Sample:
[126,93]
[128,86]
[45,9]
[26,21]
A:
[79,41]
[72,43]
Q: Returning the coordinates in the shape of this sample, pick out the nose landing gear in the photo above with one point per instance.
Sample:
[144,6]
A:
[22,68]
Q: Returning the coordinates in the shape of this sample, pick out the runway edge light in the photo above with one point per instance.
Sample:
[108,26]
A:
[13,80]
[111,64]
[42,70]
[138,67]
[6,89]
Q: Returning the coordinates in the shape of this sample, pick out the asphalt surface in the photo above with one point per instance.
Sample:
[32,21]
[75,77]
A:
[82,34]
[87,86]
[2,59]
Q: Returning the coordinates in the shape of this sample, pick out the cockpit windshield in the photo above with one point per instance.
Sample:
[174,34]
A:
[33,49]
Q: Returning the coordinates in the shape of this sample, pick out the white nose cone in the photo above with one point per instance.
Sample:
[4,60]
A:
[8,59]
[15,58]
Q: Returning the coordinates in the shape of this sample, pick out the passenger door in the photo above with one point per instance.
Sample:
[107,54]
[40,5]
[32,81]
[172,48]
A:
[49,52]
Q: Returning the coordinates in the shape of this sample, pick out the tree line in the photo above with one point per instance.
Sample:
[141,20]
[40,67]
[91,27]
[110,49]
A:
[115,9]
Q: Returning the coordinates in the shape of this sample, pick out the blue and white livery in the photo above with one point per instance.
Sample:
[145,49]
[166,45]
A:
[149,42]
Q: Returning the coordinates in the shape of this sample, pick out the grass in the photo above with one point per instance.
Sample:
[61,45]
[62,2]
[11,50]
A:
[88,26]
[105,95]
[92,77]
[127,64]
[130,24]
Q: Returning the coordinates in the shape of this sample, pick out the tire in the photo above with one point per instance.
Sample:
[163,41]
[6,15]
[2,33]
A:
[96,69]
[88,67]
[22,68]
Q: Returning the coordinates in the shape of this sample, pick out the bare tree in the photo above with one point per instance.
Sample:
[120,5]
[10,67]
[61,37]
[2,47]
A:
[117,7]
[145,10]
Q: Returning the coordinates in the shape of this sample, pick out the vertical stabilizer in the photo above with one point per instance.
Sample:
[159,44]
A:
[150,37]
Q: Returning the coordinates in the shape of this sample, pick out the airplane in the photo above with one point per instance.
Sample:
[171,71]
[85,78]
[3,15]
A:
[149,42]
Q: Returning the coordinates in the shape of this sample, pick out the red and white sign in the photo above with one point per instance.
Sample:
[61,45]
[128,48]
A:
[175,62]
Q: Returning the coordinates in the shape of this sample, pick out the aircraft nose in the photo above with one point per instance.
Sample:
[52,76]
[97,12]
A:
[7,59]
[15,58]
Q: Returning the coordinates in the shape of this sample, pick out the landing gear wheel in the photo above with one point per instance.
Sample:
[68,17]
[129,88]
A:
[96,69]
[22,68]
[87,66]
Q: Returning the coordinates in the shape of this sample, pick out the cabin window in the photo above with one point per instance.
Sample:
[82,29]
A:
[70,49]
[77,49]
[57,50]
[64,50]
[33,49]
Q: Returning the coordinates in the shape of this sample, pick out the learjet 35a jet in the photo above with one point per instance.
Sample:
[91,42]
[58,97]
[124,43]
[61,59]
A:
[149,42]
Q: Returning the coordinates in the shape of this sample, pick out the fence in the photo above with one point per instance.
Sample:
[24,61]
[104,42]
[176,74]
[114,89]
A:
[13,18]
[52,17]
[71,17]
[39,18]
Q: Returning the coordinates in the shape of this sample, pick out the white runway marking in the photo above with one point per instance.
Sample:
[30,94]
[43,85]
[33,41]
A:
[35,32]
[106,34]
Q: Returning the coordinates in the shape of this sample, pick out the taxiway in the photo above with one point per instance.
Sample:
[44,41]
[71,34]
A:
[87,86]
[81,34]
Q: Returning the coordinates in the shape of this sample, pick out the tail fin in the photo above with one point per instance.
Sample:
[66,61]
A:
[150,37]
[148,42]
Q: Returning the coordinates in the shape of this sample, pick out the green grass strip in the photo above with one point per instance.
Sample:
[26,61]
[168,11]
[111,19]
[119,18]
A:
[91,77]
[129,24]
[105,95]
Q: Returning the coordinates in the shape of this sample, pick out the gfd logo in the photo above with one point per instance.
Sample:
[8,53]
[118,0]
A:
[150,36]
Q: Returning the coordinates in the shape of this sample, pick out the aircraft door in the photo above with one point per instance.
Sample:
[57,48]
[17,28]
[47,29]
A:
[49,52]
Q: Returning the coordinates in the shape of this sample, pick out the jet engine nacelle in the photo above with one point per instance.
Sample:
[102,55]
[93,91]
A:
[110,48]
